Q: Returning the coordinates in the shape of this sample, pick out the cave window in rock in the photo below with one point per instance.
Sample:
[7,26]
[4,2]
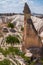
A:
[29,24]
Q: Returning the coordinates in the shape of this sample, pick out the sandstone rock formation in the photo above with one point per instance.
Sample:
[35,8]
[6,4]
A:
[30,37]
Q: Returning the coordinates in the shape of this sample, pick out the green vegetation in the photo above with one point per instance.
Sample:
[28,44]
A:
[11,25]
[4,52]
[32,63]
[11,50]
[12,40]
[22,28]
[14,50]
[26,59]
[5,62]
[41,60]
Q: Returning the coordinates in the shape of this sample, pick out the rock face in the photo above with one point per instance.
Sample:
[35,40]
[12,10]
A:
[26,9]
[30,37]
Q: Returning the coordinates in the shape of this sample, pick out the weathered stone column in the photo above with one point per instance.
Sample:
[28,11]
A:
[30,37]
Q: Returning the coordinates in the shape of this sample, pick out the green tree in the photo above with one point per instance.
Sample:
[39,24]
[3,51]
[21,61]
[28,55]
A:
[5,62]
[11,25]
[12,40]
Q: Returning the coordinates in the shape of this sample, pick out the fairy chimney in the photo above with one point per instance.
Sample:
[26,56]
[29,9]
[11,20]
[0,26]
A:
[30,36]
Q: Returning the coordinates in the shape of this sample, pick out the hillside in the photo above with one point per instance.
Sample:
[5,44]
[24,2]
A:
[19,20]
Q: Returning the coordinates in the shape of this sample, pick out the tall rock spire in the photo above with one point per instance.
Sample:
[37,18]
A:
[26,9]
[30,36]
